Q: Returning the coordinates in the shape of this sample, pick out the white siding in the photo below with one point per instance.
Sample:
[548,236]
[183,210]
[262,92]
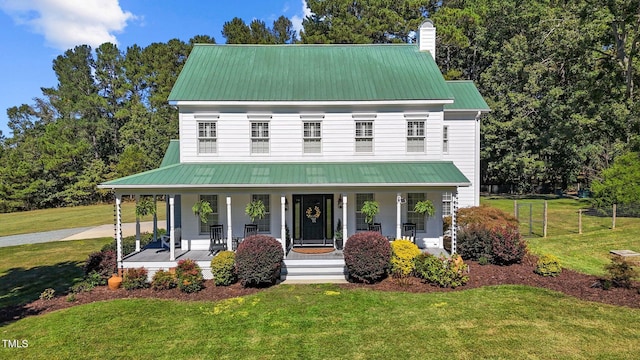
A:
[285,137]
[464,152]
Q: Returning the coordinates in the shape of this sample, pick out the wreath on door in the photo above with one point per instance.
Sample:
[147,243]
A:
[313,214]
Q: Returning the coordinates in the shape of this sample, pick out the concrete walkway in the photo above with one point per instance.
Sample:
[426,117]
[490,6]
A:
[128,229]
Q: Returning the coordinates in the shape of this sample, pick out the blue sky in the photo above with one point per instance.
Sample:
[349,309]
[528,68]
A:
[34,32]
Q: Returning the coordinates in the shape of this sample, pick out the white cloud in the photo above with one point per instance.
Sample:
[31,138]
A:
[296,20]
[67,23]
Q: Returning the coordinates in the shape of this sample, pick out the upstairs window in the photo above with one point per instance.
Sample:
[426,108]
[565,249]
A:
[415,136]
[259,137]
[312,138]
[207,137]
[445,139]
[364,136]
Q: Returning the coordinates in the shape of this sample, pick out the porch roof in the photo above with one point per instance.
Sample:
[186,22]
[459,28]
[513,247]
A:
[287,175]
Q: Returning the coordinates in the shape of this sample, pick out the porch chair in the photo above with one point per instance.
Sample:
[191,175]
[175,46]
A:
[250,229]
[409,231]
[375,227]
[217,241]
[164,239]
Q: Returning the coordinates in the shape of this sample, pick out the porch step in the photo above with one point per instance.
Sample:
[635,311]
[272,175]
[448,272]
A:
[313,271]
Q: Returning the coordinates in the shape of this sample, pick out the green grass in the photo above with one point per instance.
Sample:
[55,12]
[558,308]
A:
[587,252]
[26,270]
[69,217]
[326,322]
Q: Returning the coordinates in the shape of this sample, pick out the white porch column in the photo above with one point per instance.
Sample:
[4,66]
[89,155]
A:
[229,225]
[283,229]
[344,221]
[398,216]
[137,225]
[155,219]
[454,232]
[119,229]
[172,228]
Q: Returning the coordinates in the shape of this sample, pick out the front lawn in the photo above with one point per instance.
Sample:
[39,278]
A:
[329,322]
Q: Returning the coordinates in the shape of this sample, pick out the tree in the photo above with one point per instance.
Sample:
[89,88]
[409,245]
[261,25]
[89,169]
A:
[236,31]
[620,183]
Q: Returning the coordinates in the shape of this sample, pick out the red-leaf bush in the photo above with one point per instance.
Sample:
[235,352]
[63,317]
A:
[101,262]
[507,246]
[135,278]
[259,260]
[189,276]
[474,242]
[484,215]
[367,256]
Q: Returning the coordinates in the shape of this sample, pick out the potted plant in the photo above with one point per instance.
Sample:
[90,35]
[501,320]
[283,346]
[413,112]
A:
[338,235]
[202,208]
[370,209]
[255,210]
[425,207]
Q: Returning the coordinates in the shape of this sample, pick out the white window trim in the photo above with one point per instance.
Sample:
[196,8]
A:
[213,139]
[422,224]
[256,139]
[371,138]
[304,138]
[445,139]
[422,137]
[447,197]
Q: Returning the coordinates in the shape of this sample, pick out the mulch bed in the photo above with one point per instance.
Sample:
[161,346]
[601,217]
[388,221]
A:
[569,282]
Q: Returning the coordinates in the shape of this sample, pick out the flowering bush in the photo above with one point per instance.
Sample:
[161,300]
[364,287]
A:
[367,256]
[402,254]
[189,276]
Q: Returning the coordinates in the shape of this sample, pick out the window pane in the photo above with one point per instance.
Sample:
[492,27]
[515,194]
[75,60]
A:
[447,197]
[360,217]
[259,146]
[207,146]
[312,146]
[264,224]
[364,145]
[445,139]
[213,217]
[415,145]
[412,216]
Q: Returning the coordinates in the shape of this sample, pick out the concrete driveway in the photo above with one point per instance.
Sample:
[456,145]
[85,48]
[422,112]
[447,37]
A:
[128,229]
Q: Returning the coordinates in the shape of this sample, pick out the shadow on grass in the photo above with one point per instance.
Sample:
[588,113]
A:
[20,286]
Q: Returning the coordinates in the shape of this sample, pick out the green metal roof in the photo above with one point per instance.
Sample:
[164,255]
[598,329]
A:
[375,72]
[274,175]
[467,96]
[172,155]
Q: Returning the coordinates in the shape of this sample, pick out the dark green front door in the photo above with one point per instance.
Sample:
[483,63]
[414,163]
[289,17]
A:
[313,219]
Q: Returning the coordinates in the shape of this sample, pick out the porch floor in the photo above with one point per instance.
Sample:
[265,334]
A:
[153,253]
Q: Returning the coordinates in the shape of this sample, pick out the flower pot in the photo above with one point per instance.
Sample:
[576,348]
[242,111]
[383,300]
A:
[339,243]
[114,281]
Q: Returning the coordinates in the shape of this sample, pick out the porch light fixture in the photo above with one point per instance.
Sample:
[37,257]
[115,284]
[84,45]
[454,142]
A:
[286,204]
[401,200]
[340,201]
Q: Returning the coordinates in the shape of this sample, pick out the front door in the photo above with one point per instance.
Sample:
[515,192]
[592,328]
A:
[313,219]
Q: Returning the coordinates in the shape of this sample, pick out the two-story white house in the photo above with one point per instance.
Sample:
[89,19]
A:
[314,131]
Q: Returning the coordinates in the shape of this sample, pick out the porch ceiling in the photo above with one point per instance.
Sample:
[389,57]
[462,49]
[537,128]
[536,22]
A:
[300,175]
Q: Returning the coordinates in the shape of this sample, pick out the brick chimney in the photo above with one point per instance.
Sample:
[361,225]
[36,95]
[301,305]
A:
[427,37]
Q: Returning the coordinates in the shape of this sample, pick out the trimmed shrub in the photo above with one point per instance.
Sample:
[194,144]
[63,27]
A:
[189,276]
[487,216]
[548,265]
[163,280]
[507,246]
[402,254]
[223,268]
[135,279]
[259,260]
[367,256]
[474,242]
[620,272]
[102,263]
[441,271]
